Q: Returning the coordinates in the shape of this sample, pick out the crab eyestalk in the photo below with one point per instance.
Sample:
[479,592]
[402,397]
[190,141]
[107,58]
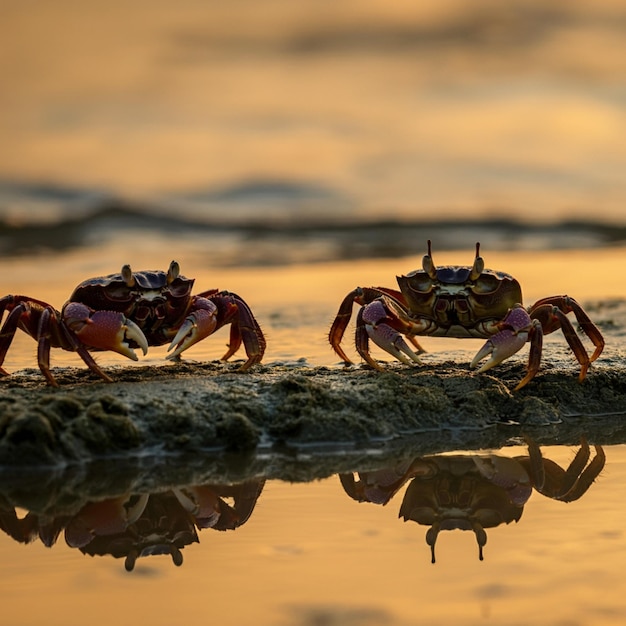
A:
[428,264]
[479,265]
[449,524]
[173,272]
[127,276]
[105,330]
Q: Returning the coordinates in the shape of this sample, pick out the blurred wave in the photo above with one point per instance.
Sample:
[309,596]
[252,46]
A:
[258,223]
[476,25]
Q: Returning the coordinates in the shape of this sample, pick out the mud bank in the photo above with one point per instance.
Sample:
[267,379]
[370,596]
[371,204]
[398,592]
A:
[192,408]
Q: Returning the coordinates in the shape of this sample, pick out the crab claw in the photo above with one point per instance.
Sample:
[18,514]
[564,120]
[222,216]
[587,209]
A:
[197,326]
[385,336]
[506,342]
[105,330]
[501,346]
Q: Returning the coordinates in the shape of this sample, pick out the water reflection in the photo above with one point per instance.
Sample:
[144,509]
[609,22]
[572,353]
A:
[136,525]
[474,492]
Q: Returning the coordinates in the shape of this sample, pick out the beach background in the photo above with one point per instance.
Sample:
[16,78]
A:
[347,111]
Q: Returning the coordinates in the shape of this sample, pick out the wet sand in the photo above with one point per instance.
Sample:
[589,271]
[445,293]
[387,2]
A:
[191,408]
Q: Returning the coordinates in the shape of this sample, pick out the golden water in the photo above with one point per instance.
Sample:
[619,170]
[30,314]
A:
[311,555]
[296,304]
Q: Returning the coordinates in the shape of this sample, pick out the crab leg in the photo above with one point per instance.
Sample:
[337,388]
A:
[24,313]
[534,356]
[552,314]
[564,304]
[366,297]
[553,481]
[572,339]
[36,318]
[210,311]
[41,321]
[341,321]
[234,341]
[244,328]
[361,339]
[43,345]
[43,318]
[586,478]
[8,331]
[78,347]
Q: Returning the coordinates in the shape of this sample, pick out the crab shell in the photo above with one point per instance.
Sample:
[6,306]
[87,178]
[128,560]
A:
[458,297]
[156,301]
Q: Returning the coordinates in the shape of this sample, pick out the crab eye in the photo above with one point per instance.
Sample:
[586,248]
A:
[424,515]
[486,283]
[419,281]
[180,288]
[118,291]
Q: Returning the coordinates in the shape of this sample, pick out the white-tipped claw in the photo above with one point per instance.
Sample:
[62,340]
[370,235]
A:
[134,333]
[501,346]
[392,342]
[185,337]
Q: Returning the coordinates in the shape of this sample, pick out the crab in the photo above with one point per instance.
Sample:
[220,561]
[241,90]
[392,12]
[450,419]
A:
[121,312]
[477,491]
[134,525]
[140,525]
[462,302]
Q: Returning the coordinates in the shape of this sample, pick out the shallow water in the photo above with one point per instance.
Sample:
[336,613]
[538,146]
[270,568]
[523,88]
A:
[308,554]
[295,304]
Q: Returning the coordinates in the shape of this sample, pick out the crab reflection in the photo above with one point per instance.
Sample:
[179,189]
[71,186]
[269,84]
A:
[474,492]
[140,525]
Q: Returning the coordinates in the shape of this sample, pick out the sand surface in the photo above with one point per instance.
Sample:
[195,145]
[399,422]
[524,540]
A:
[197,408]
